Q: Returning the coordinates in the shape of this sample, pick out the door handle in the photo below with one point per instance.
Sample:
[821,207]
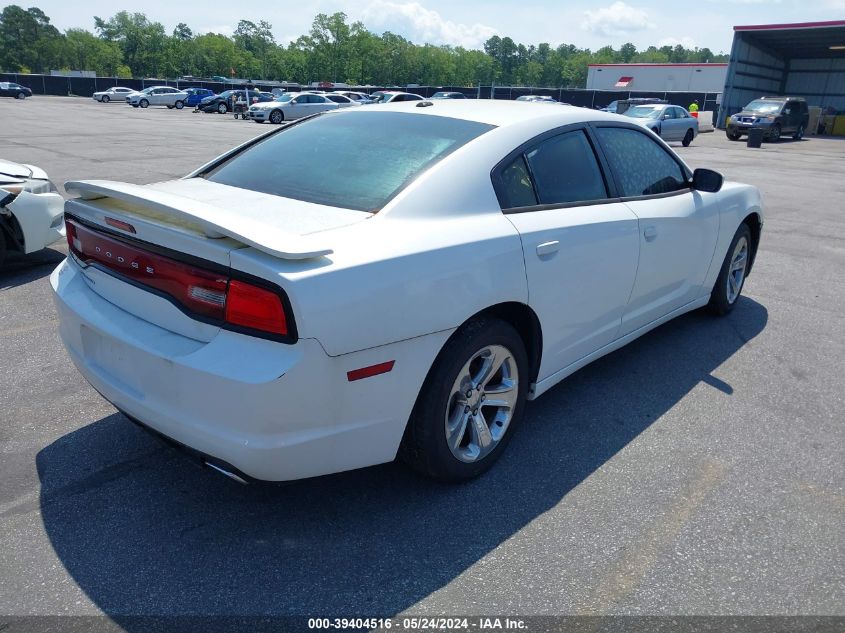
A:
[650,233]
[547,248]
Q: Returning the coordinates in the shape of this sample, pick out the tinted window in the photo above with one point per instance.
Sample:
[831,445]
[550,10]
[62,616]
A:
[642,167]
[328,168]
[565,169]
[517,189]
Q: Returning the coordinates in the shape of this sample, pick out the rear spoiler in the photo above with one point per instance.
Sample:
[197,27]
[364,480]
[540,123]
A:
[215,222]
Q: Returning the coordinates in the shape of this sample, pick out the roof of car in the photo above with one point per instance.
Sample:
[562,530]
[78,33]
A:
[497,112]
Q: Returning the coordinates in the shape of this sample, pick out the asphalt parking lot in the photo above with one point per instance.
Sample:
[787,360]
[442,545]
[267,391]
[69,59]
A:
[699,470]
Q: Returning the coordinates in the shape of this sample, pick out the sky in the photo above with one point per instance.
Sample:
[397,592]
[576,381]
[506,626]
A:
[468,23]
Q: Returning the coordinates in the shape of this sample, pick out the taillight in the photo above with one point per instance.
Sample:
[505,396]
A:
[255,308]
[212,296]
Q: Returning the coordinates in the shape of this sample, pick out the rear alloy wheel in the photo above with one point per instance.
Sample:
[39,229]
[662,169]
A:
[144,103]
[105,99]
[688,138]
[276,116]
[799,133]
[774,132]
[731,278]
[179,105]
[471,400]
[222,108]
[20,95]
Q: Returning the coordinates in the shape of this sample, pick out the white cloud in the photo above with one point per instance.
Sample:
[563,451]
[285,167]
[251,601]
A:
[618,19]
[421,25]
[686,42]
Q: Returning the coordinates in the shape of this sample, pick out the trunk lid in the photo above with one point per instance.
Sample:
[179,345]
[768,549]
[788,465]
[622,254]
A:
[185,220]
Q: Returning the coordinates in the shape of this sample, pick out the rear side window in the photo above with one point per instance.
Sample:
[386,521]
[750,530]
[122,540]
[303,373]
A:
[319,160]
[565,169]
[642,167]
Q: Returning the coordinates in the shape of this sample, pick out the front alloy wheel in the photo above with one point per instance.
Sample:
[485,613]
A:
[276,117]
[105,99]
[731,277]
[222,108]
[144,103]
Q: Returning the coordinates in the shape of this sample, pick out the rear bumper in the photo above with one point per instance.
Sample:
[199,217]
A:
[272,411]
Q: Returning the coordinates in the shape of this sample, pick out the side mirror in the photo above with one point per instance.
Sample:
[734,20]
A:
[707,180]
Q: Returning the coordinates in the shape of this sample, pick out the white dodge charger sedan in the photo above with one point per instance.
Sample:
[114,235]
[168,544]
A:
[285,318]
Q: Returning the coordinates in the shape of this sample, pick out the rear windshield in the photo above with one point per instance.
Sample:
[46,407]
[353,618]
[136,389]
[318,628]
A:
[354,160]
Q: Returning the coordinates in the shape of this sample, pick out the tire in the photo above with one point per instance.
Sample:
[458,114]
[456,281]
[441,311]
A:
[725,293]
[134,105]
[688,138]
[105,99]
[774,133]
[799,133]
[733,137]
[144,103]
[656,130]
[179,105]
[222,108]
[20,95]
[448,400]
[277,116]
[2,247]
[169,107]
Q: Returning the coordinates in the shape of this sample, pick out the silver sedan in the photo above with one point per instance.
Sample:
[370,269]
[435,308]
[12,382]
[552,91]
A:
[292,106]
[117,93]
[671,123]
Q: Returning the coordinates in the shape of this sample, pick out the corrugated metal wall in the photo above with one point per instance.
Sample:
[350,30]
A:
[754,72]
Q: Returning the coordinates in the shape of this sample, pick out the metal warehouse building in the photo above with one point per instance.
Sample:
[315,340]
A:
[657,77]
[799,60]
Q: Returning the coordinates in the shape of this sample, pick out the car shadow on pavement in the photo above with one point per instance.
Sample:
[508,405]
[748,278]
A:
[142,531]
[20,269]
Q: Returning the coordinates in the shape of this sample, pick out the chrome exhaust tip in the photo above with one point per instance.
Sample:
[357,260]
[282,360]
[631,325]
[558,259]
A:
[225,472]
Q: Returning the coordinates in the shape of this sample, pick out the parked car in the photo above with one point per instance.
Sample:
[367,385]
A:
[222,103]
[409,303]
[195,95]
[11,89]
[117,93]
[671,123]
[392,96]
[620,105]
[537,98]
[30,210]
[359,97]
[290,108]
[448,95]
[158,95]
[776,115]
[341,100]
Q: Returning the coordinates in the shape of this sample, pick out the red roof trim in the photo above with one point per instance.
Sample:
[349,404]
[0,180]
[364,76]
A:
[657,65]
[794,25]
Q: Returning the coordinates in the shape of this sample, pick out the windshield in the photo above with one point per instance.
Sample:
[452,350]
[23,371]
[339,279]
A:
[284,98]
[642,112]
[328,168]
[764,107]
[378,96]
[146,91]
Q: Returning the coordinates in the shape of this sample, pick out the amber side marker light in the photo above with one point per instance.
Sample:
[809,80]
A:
[372,370]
